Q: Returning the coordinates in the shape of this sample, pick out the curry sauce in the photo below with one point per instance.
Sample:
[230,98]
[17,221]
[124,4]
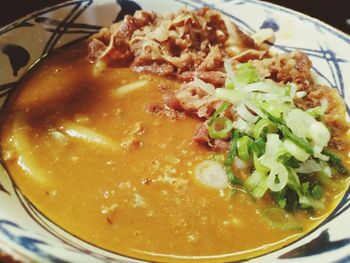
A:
[103,167]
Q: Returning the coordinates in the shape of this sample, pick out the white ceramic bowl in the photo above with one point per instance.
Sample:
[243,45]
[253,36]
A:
[28,236]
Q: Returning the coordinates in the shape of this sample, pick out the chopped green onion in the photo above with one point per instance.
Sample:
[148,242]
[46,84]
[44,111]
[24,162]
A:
[231,154]
[280,198]
[293,179]
[317,191]
[303,125]
[262,127]
[256,184]
[309,166]
[258,147]
[271,109]
[223,107]
[298,141]
[295,150]
[278,218]
[306,199]
[276,120]
[336,162]
[278,177]
[233,95]
[243,126]
[246,73]
[289,154]
[259,166]
[327,181]
[316,112]
[246,114]
[309,201]
[243,146]
[289,160]
[230,85]
[225,126]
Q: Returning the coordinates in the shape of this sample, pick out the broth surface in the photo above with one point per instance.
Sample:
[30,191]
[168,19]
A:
[105,169]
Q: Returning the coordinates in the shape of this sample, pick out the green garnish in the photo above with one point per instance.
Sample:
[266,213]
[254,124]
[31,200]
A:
[246,73]
[243,147]
[288,146]
[220,127]
[258,147]
[231,154]
[223,107]
[298,141]
[262,127]
[336,162]
[278,218]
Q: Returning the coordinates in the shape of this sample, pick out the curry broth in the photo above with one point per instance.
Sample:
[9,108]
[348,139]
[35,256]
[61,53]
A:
[133,190]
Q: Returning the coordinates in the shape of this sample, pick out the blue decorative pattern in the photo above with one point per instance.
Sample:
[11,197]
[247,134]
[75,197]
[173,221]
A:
[270,23]
[128,8]
[29,243]
[62,27]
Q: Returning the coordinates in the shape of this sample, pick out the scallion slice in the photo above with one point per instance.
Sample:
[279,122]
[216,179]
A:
[246,73]
[243,147]
[225,126]
[295,150]
[278,218]
[231,154]
[336,162]
[262,127]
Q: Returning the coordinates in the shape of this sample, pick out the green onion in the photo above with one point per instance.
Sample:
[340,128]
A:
[317,191]
[231,154]
[280,198]
[215,120]
[273,118]
[258,147]
[304,125]
[233,95]
[256,184]
[271,109]
[278,177]
[306,200]
[327,181]
[336,162]
[223,107]
[246,73]
[295,150]
[284,142]
[289,160]
[278,218]
[298,141]
[316,112]
[243,146]
[225,125]
[262,127]
[259,166]
[230,85]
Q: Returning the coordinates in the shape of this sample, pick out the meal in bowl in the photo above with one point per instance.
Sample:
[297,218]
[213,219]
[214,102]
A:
[178,137]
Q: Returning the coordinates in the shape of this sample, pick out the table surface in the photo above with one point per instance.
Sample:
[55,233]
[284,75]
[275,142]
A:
[333,12]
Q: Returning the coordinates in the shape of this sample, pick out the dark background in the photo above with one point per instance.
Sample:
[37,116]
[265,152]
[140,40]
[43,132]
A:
[333,12]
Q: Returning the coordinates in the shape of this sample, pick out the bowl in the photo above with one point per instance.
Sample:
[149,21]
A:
[27,235]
